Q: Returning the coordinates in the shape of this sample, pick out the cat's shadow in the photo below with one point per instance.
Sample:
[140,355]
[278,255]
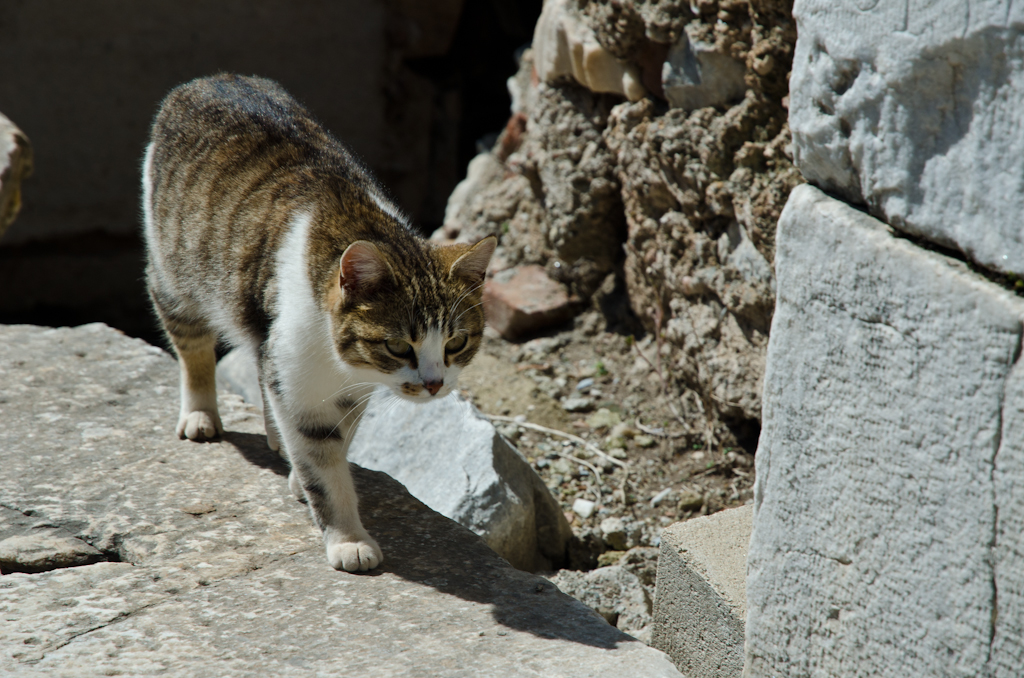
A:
[254,449]
[419,545]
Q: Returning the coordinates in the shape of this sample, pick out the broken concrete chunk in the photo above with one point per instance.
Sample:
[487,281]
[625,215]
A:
[246,584]
[696,75]
[40,553]
[915,111]
[15,165]
[613,592]
[451,458]
[888,506]
[524,300]
[700,604]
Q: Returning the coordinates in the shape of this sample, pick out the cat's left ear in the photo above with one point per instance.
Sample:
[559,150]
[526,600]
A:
[472,265]
[363,267]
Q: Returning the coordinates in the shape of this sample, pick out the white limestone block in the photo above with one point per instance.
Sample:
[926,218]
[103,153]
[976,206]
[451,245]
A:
[916,109]
[888,501]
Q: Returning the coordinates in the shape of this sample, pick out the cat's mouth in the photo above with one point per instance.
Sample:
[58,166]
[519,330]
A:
[424,392]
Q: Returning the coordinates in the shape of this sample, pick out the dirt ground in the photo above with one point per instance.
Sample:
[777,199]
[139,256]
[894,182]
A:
[614,439]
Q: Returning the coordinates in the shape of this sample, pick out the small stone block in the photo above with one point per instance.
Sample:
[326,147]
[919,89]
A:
[700,605]
[524,300]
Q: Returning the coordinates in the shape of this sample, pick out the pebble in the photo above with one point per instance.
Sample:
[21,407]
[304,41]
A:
[658,498]
[578,404]
[585,384]
[614,532]
[584,508]
[689,501]
[603,418]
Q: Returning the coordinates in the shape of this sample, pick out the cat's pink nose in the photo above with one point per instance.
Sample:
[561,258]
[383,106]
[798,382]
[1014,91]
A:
[433,386]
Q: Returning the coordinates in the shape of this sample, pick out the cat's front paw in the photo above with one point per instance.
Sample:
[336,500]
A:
[200,425]
[355,556]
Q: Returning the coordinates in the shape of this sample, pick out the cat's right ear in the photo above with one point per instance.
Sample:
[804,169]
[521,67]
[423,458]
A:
[473,264]
[363,268]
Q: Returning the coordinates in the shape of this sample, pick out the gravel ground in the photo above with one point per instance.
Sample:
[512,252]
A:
[595,413]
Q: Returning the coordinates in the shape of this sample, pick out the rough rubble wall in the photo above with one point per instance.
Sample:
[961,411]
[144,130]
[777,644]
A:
[679,205]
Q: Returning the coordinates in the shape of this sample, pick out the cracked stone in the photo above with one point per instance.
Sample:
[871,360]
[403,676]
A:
[41,553]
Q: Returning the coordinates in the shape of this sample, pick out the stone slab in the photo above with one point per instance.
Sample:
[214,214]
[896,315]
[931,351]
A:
[215,571]
[916,109]
[450,457]
[888,501]
[700,606]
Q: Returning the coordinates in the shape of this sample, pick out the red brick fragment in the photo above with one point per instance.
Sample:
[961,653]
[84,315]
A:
[524,300]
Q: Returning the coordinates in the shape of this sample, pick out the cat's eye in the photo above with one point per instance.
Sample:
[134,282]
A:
[455,344]
[399,348]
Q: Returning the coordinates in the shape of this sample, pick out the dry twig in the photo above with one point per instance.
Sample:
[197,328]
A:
[561,434]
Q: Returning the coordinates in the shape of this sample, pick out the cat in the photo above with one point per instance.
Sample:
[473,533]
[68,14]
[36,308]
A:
[264,230]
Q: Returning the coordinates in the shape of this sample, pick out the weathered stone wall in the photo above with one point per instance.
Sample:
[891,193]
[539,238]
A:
[888,499]
[649,151]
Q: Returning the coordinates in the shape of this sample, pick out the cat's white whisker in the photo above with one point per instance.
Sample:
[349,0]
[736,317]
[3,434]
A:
[467,311]
[465,294]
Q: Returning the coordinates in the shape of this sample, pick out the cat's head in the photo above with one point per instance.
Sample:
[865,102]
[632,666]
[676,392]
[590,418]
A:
[411,317]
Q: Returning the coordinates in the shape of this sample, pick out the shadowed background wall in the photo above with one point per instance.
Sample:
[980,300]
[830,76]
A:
[409,85]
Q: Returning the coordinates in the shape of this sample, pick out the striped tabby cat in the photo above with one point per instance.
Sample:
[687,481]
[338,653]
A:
[263,229]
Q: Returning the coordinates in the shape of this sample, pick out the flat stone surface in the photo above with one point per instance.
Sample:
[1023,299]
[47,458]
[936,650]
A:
[221,573]
[524,300]
[701,606]
[916,109]
[889,499]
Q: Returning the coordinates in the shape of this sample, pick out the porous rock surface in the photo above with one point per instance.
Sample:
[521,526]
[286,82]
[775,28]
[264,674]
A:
[915,111]
[213,570]
[675,206]
[450,457]
[888,501]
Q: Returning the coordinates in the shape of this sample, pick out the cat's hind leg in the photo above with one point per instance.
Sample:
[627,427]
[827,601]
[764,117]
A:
[268,380]
[195,344]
